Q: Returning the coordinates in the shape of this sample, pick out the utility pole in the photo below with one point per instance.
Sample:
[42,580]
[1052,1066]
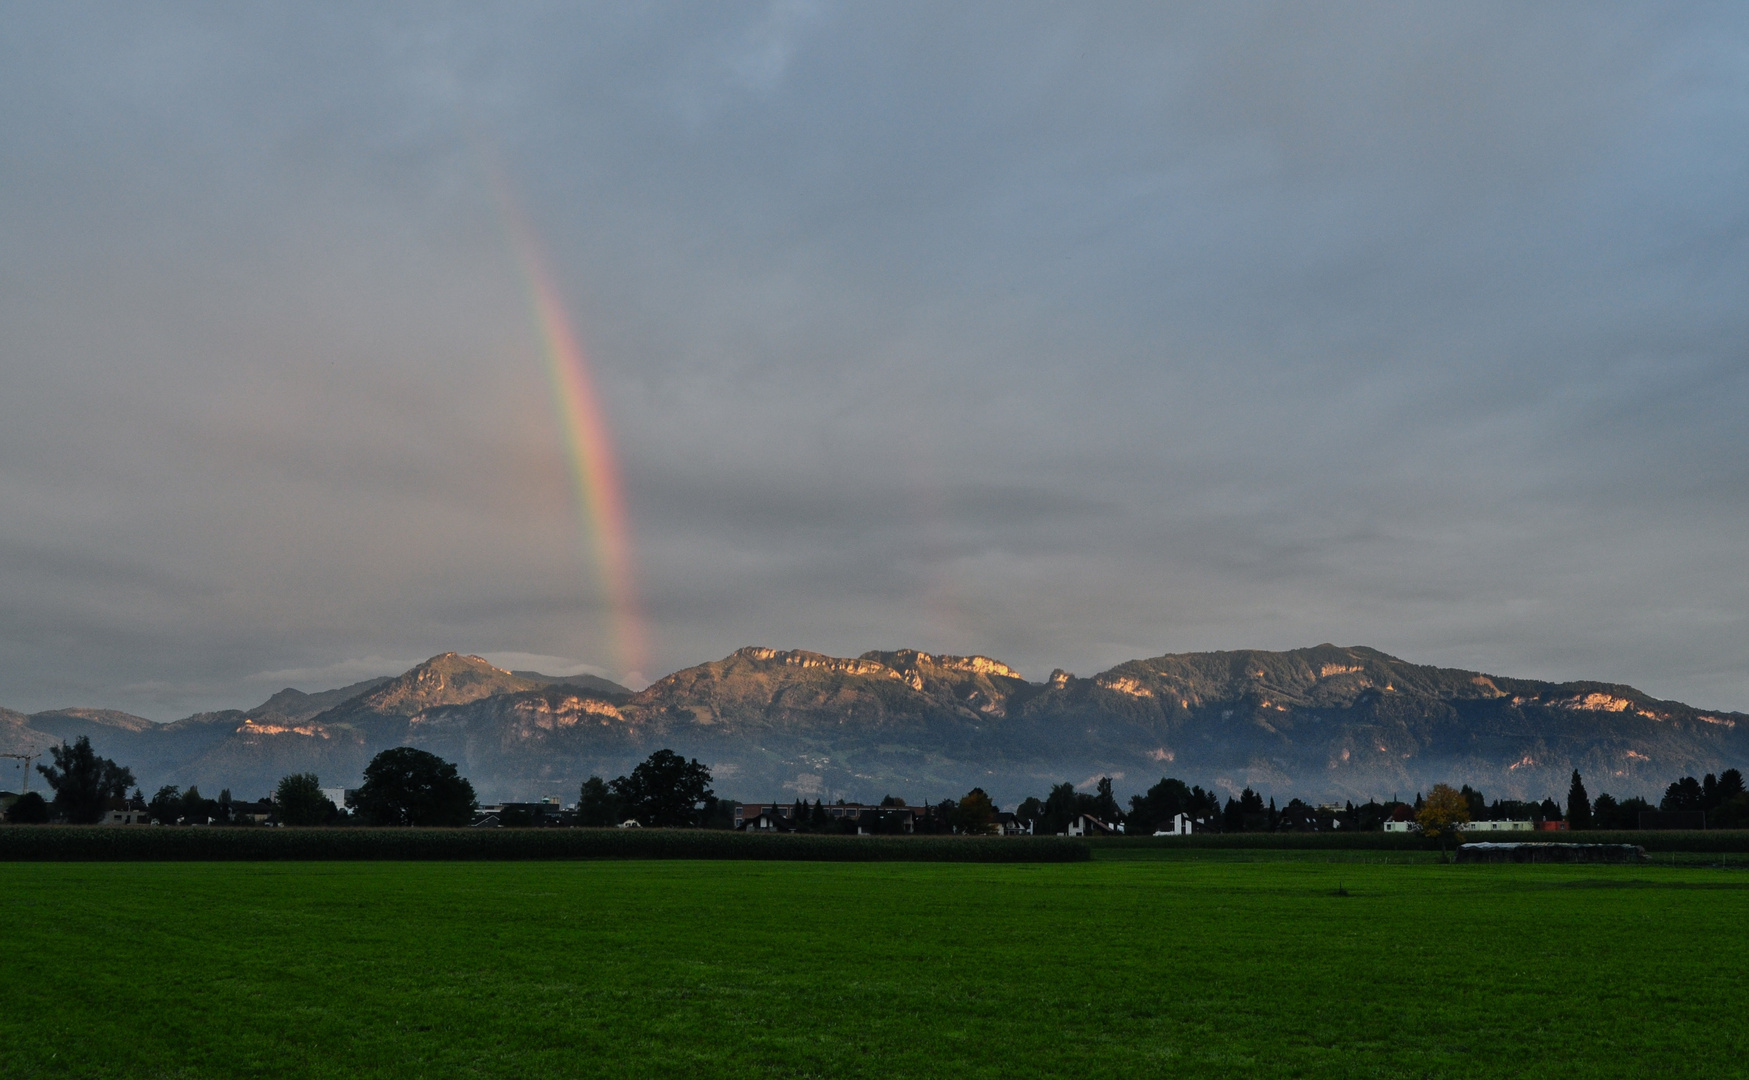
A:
[27,759]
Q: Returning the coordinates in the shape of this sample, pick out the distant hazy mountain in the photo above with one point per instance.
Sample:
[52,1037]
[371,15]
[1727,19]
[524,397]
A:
[592,683]
[1324,723]
[290,706]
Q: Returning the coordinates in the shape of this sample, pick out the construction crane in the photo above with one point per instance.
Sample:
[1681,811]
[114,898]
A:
[27,759]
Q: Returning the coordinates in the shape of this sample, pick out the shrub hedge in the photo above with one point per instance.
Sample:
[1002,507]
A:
[1719,840]
[1294,841]
[69,843]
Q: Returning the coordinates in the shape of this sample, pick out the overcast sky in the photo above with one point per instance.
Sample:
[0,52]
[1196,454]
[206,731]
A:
[1066,334]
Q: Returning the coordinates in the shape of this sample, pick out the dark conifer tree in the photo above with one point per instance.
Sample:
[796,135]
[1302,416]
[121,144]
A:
[1684,794]
[1578,804]
[1730,785]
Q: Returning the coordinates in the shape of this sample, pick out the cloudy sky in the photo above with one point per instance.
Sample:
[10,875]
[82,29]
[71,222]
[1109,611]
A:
[1065,334]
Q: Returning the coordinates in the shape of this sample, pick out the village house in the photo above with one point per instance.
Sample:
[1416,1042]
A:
[765,821]
[118,811]
[1088,825]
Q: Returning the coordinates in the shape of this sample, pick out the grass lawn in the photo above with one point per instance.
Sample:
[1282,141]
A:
[726,969]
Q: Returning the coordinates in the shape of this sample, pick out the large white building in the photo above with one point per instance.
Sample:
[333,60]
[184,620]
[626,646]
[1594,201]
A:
[1180,825]
[1468,826]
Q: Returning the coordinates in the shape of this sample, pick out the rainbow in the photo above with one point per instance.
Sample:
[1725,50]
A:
[588,445]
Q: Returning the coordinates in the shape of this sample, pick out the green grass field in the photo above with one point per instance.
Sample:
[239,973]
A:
[726,969]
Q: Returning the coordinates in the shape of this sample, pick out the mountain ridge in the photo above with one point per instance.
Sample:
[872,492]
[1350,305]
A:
[1321,722]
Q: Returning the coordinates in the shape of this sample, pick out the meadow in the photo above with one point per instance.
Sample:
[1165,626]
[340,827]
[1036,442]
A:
[1240,964]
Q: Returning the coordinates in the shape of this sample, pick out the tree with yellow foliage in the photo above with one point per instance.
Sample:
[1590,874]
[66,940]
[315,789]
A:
[975,814]
[1443,814]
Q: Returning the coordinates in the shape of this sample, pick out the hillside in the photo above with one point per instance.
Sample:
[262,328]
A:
[1325,723]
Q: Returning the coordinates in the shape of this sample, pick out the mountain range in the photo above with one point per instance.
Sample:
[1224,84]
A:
[1321,723]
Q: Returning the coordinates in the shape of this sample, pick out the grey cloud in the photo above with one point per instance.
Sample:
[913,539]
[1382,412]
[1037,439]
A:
[1061,334]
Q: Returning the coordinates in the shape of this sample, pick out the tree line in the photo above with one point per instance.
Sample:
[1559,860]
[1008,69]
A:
[402,786]
[1722,798]
[405,786]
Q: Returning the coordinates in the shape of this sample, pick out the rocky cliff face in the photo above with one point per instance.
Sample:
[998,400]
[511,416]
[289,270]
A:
[1321,723]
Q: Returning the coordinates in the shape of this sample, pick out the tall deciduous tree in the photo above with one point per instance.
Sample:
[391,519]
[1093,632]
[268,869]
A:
[83,782]
[1159,805]
[30,809]
[299,801]
[665,790]
[596,805]
[1106,808]
[197,809]
[406,786]
[975,814]
[1169,798]
[1061,806]
[166,805]
[1442,813]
